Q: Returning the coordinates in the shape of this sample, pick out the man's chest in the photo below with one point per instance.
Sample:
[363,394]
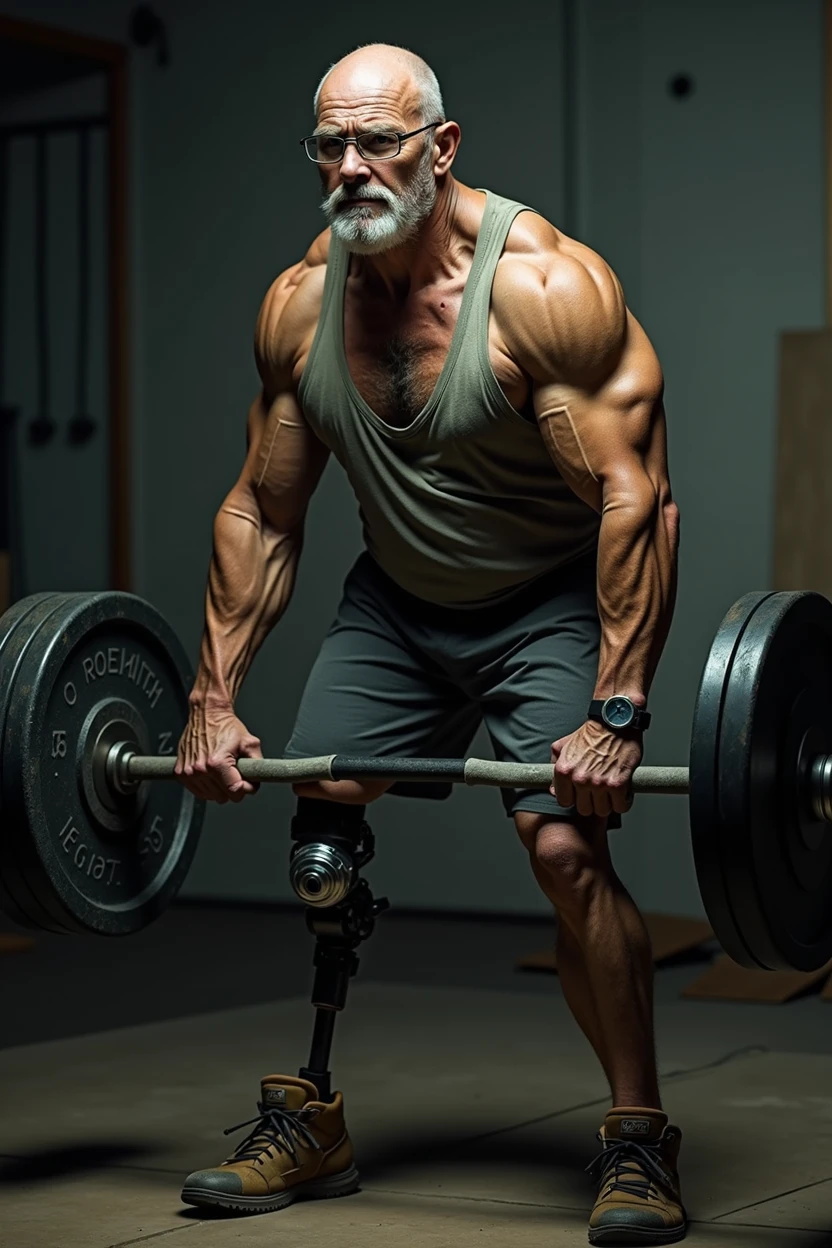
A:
[396,354]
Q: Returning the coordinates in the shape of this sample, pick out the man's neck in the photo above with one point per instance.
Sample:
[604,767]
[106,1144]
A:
[428,257]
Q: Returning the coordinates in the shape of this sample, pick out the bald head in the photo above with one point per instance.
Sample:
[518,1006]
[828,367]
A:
[384,71]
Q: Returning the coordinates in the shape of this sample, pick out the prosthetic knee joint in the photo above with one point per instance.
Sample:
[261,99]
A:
[331,843]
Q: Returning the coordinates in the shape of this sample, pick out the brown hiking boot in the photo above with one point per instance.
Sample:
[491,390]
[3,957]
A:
[639,1197]
[298,1149]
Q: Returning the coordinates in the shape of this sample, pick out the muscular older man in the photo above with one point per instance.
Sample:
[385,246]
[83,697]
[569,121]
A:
[498,412]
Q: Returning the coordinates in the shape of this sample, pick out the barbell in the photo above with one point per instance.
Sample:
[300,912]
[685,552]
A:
[94,696]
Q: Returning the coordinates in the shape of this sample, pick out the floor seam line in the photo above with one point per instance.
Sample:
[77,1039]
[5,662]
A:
[804,1187]
[491,1200]
[143,1239]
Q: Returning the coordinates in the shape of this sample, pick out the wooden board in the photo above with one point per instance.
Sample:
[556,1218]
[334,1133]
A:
[670,935]
[724,980]
[802,532]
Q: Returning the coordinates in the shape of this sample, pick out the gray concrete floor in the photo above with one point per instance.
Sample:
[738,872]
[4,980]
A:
[199,958]
[471,1095]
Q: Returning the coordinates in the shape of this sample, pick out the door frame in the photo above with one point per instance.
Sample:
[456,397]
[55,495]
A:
[112,58]
[827,55]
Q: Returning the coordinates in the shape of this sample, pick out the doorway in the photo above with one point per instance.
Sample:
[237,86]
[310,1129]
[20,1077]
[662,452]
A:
[65,514]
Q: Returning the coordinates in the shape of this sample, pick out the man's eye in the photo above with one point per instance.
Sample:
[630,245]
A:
[379,142]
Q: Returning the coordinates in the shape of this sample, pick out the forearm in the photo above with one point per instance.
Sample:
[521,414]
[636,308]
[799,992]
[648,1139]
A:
[637,564]
[250,585]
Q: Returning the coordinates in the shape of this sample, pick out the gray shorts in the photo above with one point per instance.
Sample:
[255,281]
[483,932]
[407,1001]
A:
[400,677]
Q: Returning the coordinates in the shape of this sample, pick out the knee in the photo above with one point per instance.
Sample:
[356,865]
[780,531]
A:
[350,792]
[568,861]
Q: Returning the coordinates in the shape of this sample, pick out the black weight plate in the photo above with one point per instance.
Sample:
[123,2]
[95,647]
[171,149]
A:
[17,626]
[777,854]
[705,808]
[102,865]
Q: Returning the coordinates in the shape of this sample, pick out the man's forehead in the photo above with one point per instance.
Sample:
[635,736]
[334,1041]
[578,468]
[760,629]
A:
[337,121]
[363,86]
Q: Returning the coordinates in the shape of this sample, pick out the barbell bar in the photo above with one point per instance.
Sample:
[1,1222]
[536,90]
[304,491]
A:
[127,768]
[94,696]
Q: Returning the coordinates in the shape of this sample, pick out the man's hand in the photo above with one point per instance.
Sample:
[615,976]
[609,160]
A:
[208,751]
[593,770]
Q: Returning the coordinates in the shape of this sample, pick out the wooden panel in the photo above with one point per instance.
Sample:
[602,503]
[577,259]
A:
[802,532]
[726,981]
[100,51]
[670,935]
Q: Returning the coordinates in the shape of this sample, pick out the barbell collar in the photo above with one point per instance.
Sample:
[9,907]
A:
[821,785]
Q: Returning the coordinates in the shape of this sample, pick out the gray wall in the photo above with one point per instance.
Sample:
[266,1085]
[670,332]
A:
[712,208]
[711,211]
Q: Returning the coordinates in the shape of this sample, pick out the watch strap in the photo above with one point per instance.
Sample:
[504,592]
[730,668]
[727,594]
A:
[641,719]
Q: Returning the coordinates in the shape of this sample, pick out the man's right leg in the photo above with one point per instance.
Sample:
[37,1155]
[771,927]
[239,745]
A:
[371,691]
[298,1145]
[574,980]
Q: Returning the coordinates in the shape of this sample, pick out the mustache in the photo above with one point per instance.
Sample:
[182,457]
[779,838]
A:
[367,195]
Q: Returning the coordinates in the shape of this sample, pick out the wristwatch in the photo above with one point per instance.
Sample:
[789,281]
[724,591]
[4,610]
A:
[619,714]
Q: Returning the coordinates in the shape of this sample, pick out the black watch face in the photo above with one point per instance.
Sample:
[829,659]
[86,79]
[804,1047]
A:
[618,712]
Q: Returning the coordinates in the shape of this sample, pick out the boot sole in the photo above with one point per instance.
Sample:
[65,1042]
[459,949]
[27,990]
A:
[633,1235]
[328,1188]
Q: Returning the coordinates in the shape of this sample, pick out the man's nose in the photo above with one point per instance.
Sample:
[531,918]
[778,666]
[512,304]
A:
[353,165]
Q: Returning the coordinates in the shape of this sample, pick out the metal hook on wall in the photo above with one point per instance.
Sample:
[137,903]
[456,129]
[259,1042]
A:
[148,30]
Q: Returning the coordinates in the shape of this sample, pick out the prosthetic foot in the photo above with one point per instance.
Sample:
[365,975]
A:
[297,1146]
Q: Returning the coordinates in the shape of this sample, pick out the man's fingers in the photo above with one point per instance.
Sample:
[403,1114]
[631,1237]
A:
[249,748]
[211,780]
[621,796]
[599,797]
[224,767]
[564,789]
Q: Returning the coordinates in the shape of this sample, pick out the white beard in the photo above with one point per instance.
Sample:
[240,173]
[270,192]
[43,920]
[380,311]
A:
[371,231]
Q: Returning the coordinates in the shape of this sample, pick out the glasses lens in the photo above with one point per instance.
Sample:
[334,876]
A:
[324,148]
[378,146]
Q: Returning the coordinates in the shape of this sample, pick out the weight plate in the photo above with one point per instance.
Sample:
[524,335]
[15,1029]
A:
[17,626]
[97,667]
[704,792]
[775,722]
[769,852]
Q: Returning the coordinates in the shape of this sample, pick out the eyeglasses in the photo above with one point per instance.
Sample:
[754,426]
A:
[329,149]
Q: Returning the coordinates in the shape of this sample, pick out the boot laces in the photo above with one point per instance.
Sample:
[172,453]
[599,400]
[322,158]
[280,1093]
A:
[632,1168]
[274,1128]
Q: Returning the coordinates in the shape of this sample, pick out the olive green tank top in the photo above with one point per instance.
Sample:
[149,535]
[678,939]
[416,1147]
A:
[463,505]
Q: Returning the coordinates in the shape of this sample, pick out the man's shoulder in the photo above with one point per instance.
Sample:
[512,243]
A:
[555,292]
[537,255]
[290,310]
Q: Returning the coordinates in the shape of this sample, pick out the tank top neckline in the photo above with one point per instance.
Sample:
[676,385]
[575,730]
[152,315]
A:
[468,294]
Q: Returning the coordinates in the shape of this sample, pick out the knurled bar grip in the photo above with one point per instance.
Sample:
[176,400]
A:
[669,780]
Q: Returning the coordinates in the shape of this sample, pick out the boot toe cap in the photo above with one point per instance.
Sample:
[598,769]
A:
[223,1182]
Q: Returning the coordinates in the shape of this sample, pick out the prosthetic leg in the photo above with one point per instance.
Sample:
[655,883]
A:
[331,843]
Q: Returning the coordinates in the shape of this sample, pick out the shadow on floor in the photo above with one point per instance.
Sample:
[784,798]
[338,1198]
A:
[87,1158]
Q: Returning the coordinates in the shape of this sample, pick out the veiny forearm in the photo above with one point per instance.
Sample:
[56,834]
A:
[250,584]
[637,565]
